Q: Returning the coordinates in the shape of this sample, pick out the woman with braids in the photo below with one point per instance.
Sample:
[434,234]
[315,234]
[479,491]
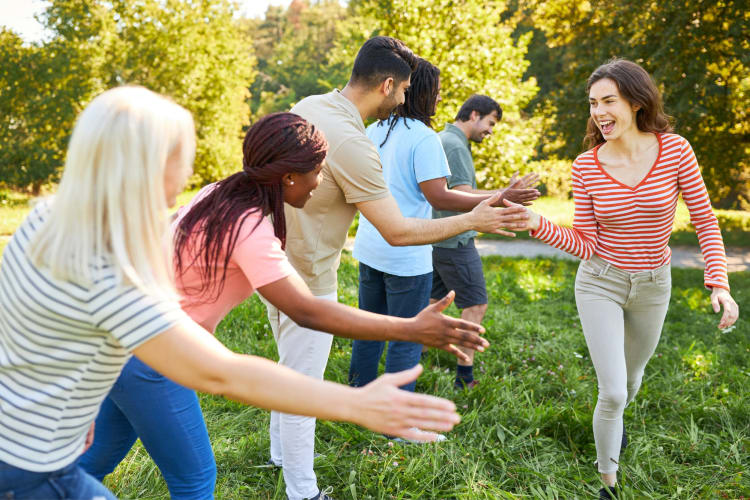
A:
[626,187]
[398,280]
[225,249]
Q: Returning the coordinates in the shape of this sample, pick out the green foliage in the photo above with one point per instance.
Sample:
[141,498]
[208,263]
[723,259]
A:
[526,429]
[698,52]
[293,48]
[471,42]
[192,51]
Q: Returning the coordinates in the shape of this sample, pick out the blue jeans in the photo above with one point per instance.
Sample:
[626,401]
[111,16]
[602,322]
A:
[168,419]
[69,482]
[401,296]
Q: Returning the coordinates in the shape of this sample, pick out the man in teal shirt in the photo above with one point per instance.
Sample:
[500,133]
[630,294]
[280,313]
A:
[455,261]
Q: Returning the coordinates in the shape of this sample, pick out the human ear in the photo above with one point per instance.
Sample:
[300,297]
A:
[288,179]
[388,86]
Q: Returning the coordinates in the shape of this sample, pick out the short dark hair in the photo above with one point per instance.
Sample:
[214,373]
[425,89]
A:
[481,104]
[381,57]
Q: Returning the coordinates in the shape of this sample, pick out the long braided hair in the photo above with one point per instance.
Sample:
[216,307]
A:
[276,145]
[420,100]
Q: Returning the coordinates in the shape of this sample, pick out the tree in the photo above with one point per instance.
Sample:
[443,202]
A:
[293,49]
[696,50]
[471,42]
[192,51]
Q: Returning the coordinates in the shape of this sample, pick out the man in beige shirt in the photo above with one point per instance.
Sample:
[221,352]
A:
[352,179]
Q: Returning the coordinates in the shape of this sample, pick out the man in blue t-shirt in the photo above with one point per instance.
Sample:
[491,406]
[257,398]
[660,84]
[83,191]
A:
[455,261]
[398,280]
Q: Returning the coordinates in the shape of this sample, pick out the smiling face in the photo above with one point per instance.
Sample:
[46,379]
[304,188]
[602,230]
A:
[396,95]
[481,127]
[613,115]
[298,188]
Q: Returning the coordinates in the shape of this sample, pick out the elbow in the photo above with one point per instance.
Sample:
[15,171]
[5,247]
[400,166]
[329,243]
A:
[396,238]
[216,383]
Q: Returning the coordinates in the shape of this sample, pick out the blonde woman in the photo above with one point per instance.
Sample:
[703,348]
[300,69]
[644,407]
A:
[85,282]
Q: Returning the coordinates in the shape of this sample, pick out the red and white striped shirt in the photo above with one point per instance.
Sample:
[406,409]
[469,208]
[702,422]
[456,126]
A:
[629,227]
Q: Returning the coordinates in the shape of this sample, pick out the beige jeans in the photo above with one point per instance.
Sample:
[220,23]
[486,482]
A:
[622,315]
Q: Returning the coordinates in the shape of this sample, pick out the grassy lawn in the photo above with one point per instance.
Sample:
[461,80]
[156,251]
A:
[526,430]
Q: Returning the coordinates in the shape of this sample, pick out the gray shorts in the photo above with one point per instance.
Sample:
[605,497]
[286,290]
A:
[459,269]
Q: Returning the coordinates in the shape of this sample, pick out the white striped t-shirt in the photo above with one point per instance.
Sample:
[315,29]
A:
[62,346]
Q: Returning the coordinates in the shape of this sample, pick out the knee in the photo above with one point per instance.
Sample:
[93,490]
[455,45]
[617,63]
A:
[613,400]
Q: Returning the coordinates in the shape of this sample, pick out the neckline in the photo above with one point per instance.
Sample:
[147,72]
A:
[645,177]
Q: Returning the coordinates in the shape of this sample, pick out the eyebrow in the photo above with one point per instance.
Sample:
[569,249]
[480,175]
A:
[605,97]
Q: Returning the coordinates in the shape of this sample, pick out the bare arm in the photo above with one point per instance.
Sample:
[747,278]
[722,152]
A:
[398,230]
[196,359]
[429,327]
[458,200]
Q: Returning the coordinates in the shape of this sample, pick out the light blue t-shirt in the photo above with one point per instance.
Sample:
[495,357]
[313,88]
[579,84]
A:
[412,154]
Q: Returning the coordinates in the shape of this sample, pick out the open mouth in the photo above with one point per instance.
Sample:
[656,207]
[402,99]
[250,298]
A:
[607,126]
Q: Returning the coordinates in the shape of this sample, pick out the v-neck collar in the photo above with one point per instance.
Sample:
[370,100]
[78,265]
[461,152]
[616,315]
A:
[648,174]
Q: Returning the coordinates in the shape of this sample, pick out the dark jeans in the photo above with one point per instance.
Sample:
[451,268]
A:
[168,419]
[69,482]
[401,296]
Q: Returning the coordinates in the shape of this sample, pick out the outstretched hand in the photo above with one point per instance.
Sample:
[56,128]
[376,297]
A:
[533,219]
[498,220]
[385,408]
[435,329]
[720,297]
[521,189]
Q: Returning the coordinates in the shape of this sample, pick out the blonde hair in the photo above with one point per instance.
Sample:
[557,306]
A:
[111,200]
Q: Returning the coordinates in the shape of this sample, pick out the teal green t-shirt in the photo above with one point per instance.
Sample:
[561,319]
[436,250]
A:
[458,151]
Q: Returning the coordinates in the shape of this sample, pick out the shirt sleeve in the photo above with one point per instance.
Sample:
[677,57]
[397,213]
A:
[259,255]
[579,240]
[428,159]
[133,317]
[356,168]
[461,166]
[703,219]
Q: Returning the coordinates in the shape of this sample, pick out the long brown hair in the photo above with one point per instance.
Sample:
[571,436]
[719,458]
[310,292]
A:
[637,87]
[276,145]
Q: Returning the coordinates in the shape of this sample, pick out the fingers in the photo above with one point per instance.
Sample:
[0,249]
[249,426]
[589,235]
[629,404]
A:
[443,303]
[469,339]
[450,348]
[715,302]
[731,312]
[462,324]
[494,198]
[501,232]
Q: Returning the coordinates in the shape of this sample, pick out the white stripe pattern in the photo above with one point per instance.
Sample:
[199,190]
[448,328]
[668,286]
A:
[62,347]
[630,226]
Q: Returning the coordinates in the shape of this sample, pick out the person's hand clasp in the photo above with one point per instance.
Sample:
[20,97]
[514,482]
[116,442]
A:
[383,407]
[533,219]
[720,297]
[434,329]
[489,219]
[521,190]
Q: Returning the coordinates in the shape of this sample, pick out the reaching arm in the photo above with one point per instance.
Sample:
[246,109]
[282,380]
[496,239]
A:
[398,230]
[194,358]
[429,327]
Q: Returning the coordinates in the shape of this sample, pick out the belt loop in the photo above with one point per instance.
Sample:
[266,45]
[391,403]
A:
[604,270]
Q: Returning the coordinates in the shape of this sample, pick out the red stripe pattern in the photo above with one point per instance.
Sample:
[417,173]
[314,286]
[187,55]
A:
[629,227]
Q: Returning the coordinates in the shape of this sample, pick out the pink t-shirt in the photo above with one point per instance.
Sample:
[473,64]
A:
[256,261]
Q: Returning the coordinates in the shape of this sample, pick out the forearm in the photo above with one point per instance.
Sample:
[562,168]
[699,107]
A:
[344,321]
[265,384]
[411,231]
[458,200]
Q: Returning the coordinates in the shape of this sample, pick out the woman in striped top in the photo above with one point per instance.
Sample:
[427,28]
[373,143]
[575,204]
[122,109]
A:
[85,283]
[626,188]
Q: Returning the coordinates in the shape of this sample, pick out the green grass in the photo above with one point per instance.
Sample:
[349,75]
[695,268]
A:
[526,429]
